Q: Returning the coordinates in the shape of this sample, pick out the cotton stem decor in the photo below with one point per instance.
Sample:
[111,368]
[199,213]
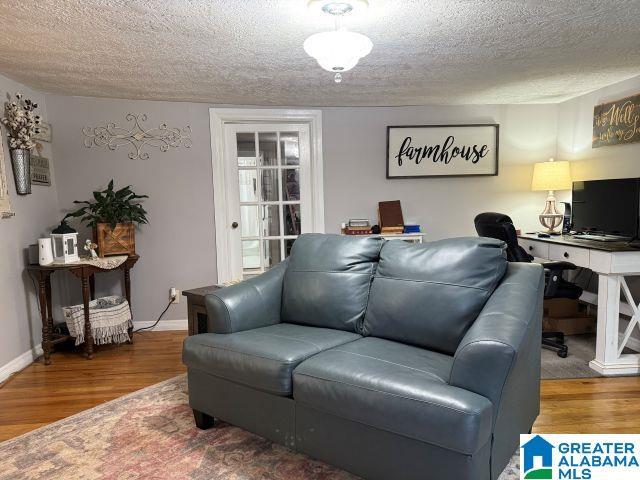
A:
[22,124]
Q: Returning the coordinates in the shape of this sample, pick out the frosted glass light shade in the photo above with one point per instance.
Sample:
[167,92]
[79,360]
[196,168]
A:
[338,51]
[551,176]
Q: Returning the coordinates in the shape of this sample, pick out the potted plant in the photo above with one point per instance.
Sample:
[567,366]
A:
[22,124]
[113,215]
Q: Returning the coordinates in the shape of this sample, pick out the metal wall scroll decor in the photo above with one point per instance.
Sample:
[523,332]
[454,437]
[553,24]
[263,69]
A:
[137,136]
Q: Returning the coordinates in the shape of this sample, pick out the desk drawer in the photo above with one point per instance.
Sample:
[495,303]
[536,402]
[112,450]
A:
[577,256]
[537,249]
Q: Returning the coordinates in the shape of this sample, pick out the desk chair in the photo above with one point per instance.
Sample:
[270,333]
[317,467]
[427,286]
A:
[500,226]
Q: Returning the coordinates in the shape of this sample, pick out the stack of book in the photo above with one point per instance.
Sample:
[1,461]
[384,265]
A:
[357,226]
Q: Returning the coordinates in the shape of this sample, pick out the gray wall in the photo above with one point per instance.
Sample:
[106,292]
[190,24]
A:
[354,143]
[177,248]
[575,127]
[35,216]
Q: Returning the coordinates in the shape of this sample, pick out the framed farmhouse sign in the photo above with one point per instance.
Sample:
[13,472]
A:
[615,123]
[442,150]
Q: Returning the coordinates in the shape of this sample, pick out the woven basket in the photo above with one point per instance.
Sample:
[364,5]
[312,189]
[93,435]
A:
[110,319]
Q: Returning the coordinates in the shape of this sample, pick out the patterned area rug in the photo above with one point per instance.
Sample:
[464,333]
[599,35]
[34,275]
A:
[150,434]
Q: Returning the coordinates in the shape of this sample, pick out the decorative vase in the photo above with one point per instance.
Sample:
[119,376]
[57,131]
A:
[21,163]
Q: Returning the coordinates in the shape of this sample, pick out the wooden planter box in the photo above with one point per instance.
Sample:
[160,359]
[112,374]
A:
[118,241]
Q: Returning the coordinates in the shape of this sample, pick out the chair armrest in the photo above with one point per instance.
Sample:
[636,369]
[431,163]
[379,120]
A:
[510,323]
[251,304]
[558,266]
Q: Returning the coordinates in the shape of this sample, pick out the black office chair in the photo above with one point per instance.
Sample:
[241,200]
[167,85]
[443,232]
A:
[500,226]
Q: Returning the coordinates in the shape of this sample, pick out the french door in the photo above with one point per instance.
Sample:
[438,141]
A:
[268,193]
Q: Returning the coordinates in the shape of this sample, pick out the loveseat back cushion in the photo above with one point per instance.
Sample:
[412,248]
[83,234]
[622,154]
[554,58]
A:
[430,294]
[328,279]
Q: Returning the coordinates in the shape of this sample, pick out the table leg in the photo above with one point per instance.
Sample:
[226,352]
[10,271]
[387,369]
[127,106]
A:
[609,359]
[192,320]
[49,304]
[127,293]
[88,336]
[46,330]
[92,286]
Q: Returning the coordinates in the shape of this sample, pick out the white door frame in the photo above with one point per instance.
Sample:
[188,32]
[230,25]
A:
[218,117]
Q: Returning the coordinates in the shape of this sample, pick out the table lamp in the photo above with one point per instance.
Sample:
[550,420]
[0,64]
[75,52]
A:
[551,176]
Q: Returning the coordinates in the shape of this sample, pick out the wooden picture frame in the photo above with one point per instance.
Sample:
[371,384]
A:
[5,202]
[432,151]
[617,122]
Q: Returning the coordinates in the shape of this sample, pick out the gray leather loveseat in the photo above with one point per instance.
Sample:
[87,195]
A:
[389,360]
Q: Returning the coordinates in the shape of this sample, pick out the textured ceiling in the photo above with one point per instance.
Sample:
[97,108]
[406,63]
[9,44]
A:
[250,52]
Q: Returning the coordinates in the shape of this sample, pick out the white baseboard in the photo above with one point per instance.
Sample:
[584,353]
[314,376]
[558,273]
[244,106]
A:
[18,363]
[163,325]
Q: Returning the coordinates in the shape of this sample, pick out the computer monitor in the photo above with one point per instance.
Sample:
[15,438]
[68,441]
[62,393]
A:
[610,207]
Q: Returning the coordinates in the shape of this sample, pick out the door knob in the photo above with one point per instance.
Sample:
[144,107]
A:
[234,225]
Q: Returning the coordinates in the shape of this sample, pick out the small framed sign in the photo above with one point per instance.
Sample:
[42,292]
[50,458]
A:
[442,150]
[40,171]
[616,123]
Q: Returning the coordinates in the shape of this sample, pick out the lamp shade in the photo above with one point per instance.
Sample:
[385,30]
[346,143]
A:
[551,176]
[339,50]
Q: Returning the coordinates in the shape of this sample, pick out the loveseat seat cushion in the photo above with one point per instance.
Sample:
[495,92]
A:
[262,358]
[327,281]
[430,294]
[396,388]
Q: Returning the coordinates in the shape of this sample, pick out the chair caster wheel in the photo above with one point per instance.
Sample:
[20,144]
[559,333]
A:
[563,353]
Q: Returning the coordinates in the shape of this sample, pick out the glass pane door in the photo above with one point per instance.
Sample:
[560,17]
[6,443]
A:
[271,196]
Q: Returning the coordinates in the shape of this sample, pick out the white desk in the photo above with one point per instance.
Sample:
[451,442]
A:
[612,262]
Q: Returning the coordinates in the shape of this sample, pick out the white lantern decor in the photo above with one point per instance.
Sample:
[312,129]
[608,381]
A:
[65,244]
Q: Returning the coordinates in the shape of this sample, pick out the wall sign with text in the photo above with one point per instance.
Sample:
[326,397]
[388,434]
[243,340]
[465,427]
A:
[442,150]
[618,122]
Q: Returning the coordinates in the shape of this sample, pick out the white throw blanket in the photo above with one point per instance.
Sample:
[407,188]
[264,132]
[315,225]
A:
[110,319]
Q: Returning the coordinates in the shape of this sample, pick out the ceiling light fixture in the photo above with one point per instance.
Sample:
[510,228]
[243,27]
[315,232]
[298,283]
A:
[337,51]
[336,7]
[340,50]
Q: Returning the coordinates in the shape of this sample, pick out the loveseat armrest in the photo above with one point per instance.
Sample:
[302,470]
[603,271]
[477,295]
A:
[504,342]
[251,304]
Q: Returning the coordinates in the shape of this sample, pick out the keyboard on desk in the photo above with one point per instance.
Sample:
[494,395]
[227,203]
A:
[599,238]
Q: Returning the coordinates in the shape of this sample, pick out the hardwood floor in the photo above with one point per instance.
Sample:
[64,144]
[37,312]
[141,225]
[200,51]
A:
[40,395]
[592,405]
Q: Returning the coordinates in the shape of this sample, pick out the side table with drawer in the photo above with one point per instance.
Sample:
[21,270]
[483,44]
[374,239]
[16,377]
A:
[196,309]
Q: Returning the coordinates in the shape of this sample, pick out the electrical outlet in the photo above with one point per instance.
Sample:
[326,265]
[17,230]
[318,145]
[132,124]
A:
[174,295]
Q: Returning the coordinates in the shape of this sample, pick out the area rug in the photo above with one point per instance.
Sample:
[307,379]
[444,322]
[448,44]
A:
[582,349]
[150,434]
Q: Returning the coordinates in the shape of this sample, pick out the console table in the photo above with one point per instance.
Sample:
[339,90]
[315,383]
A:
[407,237]
[612,261]
[86,274]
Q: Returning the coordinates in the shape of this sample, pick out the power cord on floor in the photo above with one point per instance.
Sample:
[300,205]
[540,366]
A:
[159,318]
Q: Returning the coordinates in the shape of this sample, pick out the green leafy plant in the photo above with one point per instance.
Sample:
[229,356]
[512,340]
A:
[111,206]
